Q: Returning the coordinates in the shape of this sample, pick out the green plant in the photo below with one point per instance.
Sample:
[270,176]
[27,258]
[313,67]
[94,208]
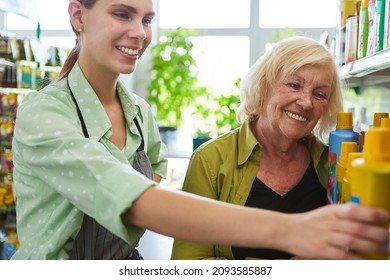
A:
[174,77]
[216,115]
[280,34]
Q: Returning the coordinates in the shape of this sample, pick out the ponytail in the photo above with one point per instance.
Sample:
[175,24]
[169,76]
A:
[69,62]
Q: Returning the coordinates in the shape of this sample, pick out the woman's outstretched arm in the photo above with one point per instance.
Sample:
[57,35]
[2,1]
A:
[324,233]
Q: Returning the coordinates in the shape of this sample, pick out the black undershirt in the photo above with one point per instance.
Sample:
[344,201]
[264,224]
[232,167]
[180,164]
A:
[308,194]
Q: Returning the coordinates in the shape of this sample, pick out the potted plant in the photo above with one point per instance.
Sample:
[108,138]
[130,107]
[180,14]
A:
[215,115]
[174,76]
[173,86]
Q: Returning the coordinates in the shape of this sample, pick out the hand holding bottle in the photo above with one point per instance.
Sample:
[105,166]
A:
[339,231]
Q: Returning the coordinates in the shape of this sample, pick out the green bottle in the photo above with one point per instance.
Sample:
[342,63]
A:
[363,30]
[380,24]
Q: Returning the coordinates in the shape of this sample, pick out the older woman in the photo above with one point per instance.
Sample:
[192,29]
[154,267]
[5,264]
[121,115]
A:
[277,159]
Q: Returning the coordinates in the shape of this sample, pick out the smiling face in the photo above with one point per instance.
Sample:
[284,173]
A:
[114,34]
[296,102]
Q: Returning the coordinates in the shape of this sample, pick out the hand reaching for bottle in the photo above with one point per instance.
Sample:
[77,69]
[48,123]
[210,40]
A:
[339,232]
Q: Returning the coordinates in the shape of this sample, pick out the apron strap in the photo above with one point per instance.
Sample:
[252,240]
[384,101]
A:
[83,126]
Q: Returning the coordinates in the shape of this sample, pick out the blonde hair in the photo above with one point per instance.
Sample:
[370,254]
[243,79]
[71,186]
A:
[287,57]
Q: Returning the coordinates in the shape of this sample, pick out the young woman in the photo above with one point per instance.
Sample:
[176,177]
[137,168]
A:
[86,151]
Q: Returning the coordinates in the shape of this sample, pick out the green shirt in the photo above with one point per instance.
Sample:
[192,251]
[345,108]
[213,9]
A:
[59,174]
[224,169]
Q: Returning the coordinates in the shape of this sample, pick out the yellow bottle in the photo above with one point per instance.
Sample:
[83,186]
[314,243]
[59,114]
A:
[378,117]
[346,148]
[346,190]
[370,175]
[385,122]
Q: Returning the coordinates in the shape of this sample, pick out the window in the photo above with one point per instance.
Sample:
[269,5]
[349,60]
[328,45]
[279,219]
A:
[297,14]
[233,34]
[235,20]
[204,13]
[221,60]
[52,15]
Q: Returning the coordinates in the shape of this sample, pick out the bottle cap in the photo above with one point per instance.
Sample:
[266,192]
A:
[378,117]
[344,120]
[365,3]
[385,122]
[377,144]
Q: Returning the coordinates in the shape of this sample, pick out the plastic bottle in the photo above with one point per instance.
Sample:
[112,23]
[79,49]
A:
[343,133]
[351,38]
[377,119]
[385,122]
[361,127]
[345,9]
[346,190]
[371,28]
[386,38]
[363,119]
[346,148]
[370,176]
[380,24]
[363,30]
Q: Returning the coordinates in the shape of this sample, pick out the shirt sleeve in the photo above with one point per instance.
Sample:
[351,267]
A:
[56,160]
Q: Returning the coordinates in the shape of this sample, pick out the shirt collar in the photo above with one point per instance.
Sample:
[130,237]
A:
[94,115]
[247,144]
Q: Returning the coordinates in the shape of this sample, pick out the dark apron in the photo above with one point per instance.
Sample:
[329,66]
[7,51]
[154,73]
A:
[94,242]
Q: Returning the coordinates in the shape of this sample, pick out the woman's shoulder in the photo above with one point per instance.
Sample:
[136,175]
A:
[220,146]
[52,91]
[50,96]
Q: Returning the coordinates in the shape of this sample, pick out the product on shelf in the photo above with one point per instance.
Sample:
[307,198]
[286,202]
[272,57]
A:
[343,133]
[366,20]
[346,8]
[380,24]
[346,149]
[351,38]
[370,176]
[346,191]
[8,237]
[363,30]
[386,36]
[377,118]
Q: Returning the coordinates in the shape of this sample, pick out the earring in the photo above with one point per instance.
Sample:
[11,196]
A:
[80,29]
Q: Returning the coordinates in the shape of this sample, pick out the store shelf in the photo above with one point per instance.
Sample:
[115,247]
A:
[10,72]
[15,90]
[4,62]
[368,71]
